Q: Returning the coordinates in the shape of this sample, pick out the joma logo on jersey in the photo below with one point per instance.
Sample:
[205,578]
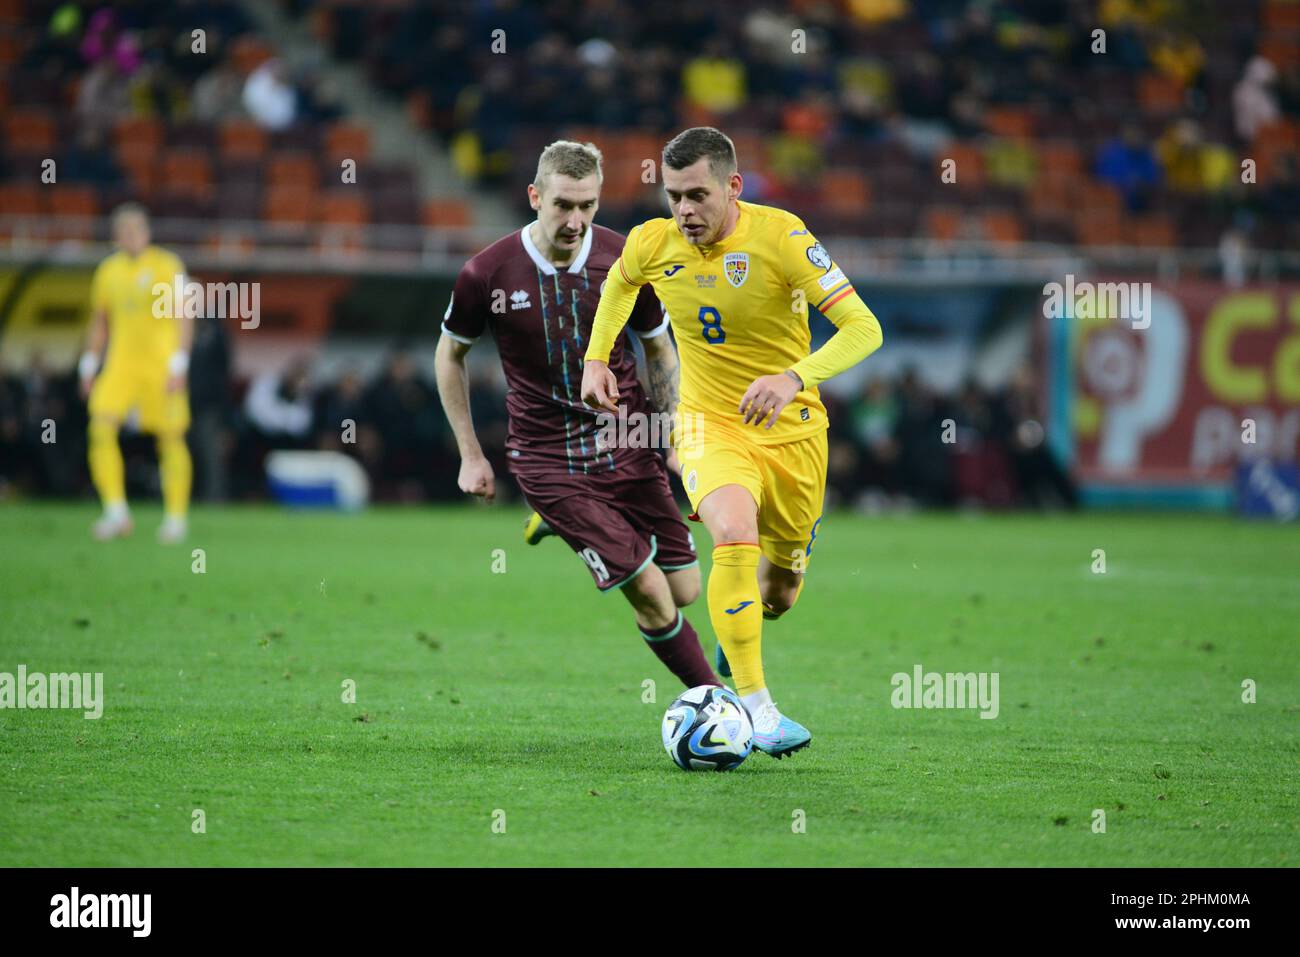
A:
[519,300]
[737,268]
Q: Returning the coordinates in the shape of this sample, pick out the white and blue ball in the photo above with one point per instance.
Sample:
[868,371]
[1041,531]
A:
[708,729]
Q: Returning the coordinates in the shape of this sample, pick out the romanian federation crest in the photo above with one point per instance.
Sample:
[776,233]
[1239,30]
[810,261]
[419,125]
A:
[737,268]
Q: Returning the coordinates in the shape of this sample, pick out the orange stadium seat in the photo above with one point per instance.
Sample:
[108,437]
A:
[1059,160]
[1101,228]
[1052,199]
[30,132]
[187,173]
[138,132]
[291,167]
[1009,121]
[447,212]
[289,204]
[943,223]
[345,206]
[347,141]
[1094,197]
[1281,16]
[22,199]
[1002,226]
[77,206]
[1159,94]
[248,53]
[1155,230]
[242,140]
[970,164]
[846,191]
[141,169]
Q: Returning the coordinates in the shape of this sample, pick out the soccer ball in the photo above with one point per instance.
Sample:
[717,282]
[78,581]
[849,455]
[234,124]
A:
[708,729]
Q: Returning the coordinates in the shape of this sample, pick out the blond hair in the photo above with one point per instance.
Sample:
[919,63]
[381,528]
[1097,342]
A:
[576,160]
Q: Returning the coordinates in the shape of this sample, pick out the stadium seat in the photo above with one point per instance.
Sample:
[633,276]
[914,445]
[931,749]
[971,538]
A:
[1154,230]
[30,133]
[138,132]
[943,223]
[187,174]
[1010,122]
[22,199]
[969,165]
[76,207]
[293,168]
[1002,227]
[1160,94]
[242,139]
[447,213]
[846,191]
[345,205]
[288,205]
[347,141]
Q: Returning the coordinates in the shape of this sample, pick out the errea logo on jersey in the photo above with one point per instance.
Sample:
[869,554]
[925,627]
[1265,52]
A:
[519,300]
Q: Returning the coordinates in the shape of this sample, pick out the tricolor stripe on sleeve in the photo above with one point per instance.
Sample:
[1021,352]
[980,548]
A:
[834,296]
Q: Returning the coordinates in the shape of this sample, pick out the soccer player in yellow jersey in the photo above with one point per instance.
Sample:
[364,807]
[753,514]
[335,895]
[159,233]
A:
[144,369]
[736,280]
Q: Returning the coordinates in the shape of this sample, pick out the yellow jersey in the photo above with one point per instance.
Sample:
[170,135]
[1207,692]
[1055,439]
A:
[739,310]
[142,326]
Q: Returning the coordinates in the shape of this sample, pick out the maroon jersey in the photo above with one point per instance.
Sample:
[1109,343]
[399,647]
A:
[540,317]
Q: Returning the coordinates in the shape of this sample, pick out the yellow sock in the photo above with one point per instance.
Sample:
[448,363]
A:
[177,473]
[736,611]
[106,469]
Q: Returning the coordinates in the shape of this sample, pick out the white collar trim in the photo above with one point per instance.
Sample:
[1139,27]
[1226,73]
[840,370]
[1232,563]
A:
[544,264]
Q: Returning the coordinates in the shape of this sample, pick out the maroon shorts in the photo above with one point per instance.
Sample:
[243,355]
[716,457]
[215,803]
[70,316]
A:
[617,522]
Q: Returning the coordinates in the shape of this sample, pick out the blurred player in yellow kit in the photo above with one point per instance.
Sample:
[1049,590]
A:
[736,280]
[148,338]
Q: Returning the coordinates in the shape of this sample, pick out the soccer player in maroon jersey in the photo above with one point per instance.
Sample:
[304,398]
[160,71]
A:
[536,290]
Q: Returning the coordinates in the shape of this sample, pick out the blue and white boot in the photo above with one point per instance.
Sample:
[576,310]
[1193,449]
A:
[775,734]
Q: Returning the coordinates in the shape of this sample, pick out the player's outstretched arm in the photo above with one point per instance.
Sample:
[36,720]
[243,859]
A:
[178,364]
[811,271]
[96,341]
[663,384]
[617,300]
[476,476]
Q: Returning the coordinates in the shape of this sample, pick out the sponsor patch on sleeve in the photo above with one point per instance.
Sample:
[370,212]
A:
[832,278]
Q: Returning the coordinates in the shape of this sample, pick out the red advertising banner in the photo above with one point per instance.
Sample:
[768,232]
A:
[1207,377]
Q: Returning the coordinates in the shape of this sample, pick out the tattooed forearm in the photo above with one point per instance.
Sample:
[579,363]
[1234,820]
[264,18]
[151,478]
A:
[662,375]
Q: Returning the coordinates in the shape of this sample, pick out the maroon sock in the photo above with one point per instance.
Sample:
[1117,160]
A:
[678,647]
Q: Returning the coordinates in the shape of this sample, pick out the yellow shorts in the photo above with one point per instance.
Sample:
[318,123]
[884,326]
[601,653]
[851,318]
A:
[787,481]
[120,389]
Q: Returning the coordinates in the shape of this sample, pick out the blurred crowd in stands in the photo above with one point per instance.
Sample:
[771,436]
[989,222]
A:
[896,445]
[1092,121]
[186,107]
[1098,122]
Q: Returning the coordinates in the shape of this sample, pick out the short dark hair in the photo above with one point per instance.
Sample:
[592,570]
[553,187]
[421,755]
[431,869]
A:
[690,146]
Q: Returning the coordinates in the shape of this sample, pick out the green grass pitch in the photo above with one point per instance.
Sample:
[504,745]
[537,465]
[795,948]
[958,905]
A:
[521,693]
